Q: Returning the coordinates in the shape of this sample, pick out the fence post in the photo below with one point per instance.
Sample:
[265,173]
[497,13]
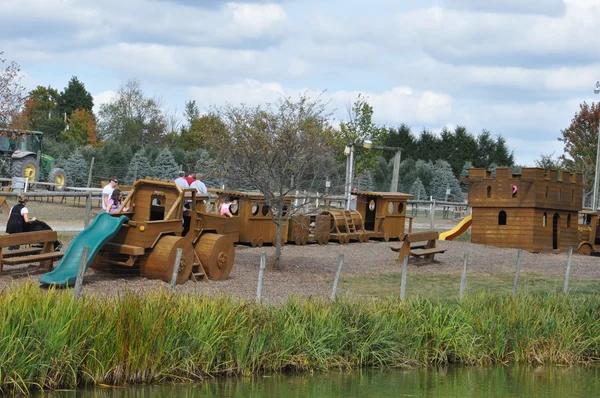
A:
[568,271]
[463,277]
[516,281]
[88,210]
[261,274]
[432,226]
[81,272]
[176,269]
[403,281]
[89,182]
[337,275]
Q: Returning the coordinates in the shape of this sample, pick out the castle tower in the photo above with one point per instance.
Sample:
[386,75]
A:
[535,211]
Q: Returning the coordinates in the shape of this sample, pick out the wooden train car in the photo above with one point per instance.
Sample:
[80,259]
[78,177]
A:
[256,225]
[384,214]
[346,225]
[535,210]
[299,229]
[155,230]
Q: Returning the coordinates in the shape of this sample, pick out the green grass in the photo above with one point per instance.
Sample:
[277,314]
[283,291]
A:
[50,340]
[441,286]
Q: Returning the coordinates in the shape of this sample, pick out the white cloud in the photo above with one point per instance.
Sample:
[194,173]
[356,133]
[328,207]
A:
[255,19]
[93,24]
[528,151]
[393,106]
[101,98]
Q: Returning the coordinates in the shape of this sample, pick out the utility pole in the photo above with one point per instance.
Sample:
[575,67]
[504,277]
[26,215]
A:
[397,156]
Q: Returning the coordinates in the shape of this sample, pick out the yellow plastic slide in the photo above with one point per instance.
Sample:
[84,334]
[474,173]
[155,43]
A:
[462,226]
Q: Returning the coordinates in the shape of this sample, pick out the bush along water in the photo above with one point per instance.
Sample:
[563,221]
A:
[49,339]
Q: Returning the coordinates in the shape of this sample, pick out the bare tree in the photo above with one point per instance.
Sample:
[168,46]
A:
[172,120]
[279,149]
[12,93]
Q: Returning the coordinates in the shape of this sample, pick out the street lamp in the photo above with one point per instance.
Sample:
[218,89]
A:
[595,197]
[349,151]
[367,144]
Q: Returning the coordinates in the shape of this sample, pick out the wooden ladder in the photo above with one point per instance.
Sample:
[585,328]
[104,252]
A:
[197,270]
[350,227]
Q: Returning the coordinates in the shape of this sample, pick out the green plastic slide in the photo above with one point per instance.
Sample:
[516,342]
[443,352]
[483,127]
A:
[101,230]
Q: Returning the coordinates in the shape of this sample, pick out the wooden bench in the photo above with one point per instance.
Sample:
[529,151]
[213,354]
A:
[45,255]
[418,244]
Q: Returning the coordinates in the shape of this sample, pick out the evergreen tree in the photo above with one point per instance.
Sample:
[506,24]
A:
[113,160]
[139,167]
[425,171]
[75,96]
[205,164]
[516,169]
[501,154]
[366,182]
[428,146]
[407,174]
[400,137]
[465,169]
[382,175]
[418,190]
[465,145]
[76,169]
[165,166]
[486,147]
[192,113]
[444,179]
[182,159]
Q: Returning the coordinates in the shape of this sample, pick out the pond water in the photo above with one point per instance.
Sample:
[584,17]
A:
[447,382]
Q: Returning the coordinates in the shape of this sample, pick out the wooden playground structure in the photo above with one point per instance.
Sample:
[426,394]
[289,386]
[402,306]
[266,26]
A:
[535,210]
[589,233]
[162,219]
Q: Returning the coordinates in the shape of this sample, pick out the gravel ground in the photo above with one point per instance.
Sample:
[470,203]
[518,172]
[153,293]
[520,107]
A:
[309,270]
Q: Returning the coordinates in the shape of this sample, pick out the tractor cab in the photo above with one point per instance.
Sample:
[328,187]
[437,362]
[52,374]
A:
[589,232]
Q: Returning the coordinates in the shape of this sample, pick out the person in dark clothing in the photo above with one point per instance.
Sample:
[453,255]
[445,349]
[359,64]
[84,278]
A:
[19,221]
[18,218]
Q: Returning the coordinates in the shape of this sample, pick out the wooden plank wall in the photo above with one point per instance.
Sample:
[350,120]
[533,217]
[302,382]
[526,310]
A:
[392,223]
[524,229]
[257,226]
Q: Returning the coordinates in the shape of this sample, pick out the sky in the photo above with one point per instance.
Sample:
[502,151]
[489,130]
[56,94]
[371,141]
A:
[517,68]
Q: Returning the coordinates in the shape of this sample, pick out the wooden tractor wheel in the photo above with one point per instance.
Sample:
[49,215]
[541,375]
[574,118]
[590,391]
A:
[585,248]
[159,263]
[216,253]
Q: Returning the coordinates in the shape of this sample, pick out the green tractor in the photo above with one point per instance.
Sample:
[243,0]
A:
[20,150]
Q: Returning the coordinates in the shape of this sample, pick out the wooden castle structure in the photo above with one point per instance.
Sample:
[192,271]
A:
[536,210]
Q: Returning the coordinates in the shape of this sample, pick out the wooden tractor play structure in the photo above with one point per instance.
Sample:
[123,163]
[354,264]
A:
[589,236]
[162,219]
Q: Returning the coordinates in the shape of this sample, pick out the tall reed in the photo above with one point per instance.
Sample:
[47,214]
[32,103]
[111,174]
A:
[48,339]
